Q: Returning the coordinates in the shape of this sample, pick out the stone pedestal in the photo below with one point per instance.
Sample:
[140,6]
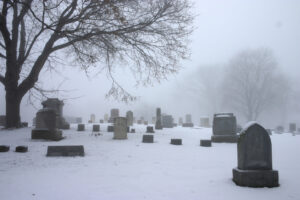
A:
[224,138]
[255,178]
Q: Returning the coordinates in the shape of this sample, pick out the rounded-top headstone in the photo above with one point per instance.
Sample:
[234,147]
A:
[254,148]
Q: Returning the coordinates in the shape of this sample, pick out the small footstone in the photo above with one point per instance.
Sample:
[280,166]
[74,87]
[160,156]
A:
[4,148]
[205,143]
[176,141]
[80,127]
[21,149]
[96,128]
[75,150]
[148,138]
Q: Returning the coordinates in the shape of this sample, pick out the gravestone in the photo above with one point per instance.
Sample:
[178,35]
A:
[158,124]
[46,125]
[167,121]
[120,128]
[224,128]
[180,121]
[187,125]
[110,129]
[292,127]
[113,114]
[176,141]
[21,149]
[254,151]
[188,118]
[24,124]
[205,143]
[93,118]
[96,128]
[146,123]
[132,130]
[101,121]
[129,116]
[142,120]
[74,150]
[80,127]
[139,121]
[204,122]
[150,129]
[148,138]
[4,148]
[57,105]
[106,118]
[2,120]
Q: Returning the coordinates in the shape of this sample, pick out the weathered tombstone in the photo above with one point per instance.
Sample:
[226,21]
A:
[146,123]
[106,118]
[93,118]
[4,148]
[153,120]
[120,128]
[21,149]
[101,121]
[158,124]
[2,120]
[176,141]
[110,129]
[204,122]
[188,118]
[74,150]
[187,125]
[224,128]
[150,129]
[205,143]
[167,121]
[254,150]
[113,114]
[46,125]
[139,121]
[292,127]
[180,121]
[132,130]
[129,116]
[57,105]
[147,138]
[80,127]
[96,128]
[89,121]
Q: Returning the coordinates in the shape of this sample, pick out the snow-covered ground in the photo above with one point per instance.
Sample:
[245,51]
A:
[130,169]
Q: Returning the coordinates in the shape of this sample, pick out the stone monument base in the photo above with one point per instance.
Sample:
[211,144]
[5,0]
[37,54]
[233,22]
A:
[224,138]
[255,178]
[46,134]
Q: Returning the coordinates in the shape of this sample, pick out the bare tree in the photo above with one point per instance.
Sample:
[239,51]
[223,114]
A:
[253,83]
[150,35]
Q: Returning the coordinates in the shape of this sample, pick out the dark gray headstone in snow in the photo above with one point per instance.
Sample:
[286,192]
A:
[74,150]
[148,138]
[176,141]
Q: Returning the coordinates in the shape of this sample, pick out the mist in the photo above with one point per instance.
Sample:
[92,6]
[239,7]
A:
[223,29]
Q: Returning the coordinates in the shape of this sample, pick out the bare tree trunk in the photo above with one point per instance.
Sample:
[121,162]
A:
[13,102]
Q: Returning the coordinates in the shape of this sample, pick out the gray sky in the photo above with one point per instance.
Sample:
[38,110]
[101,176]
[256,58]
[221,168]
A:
[224,27]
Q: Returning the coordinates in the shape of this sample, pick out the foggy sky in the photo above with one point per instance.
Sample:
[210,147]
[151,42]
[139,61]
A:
[223,28]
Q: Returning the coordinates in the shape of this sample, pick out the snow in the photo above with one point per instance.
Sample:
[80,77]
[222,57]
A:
[130,169]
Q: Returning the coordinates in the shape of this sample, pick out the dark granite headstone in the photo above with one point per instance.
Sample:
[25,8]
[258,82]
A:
[158,124]
[132,130]
[148,138]
[80,127]
[255,158]
[75,150]
[129,116]
[205,143]
[21,149]
[96,128]
[167,121]
[110,129]
[149,129]
[224,128]
[101,121]
[187,125]
[176,141]
[4,148]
